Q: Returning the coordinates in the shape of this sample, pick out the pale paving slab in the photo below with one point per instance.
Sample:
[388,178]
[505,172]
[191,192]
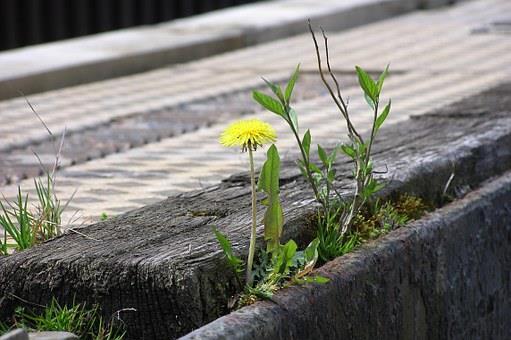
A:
[428,41]
[439,59]
[111,54]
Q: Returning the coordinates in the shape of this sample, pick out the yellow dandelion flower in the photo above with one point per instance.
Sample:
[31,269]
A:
[249,134]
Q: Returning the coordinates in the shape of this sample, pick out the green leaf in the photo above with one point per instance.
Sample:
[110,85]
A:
[371,188]
[275,89]
[273,222]
[293,117]
[291,84]
[306,142]
[381,118]
[310,257]
[369,101]
[361,147]
[332,156]
[322,155]
[235,262]
[269,103]
[285,257]
[320,279]
[312,279]
[348,150]
[378,187]
[311,252]
[269,183]
[269,175]
[302,168]
[313,167]
[367,84]
[224,242]
[381,79]
[331,175]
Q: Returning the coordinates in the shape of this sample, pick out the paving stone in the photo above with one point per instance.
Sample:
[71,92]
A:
[17,334]
[52,336]
[435,60]
[142,128]
[173,279]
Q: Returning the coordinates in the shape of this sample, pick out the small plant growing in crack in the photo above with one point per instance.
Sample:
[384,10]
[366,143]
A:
[337,215]
[343,222]
[83,320]
[24,226]
[278,263]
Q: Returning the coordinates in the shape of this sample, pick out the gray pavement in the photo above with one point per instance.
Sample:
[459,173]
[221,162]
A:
[436,57]
[128,51]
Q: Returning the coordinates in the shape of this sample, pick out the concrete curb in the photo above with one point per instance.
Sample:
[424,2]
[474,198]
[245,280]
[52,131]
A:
[21,334]
[102,56]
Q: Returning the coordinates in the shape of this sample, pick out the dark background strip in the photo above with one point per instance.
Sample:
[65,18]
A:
[28,22]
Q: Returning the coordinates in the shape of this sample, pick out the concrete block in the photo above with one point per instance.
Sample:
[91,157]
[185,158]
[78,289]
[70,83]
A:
[17,334]
[52,336]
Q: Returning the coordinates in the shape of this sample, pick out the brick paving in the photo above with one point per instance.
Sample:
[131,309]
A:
[437,57]
[125,133]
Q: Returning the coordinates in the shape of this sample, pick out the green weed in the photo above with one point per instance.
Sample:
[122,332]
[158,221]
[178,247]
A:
[77,318]
[343,222]
[24,227]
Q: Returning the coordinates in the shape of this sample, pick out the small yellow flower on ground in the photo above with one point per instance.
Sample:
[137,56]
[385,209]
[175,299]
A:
[249,134]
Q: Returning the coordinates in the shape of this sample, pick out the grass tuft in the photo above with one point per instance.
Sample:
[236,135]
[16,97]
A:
[85,322]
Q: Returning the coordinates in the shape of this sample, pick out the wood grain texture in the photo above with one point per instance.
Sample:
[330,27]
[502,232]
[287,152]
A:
[164,261]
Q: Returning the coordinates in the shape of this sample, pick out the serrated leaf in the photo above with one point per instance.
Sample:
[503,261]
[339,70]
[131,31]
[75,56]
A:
[306,142]
[381,118]
[224,242]
[322,155]
[367,84]
[235,262]
[269,103]
[293,119]
[291,84]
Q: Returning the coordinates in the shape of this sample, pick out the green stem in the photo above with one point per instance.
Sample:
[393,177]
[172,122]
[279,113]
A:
[305,161]
[251,250]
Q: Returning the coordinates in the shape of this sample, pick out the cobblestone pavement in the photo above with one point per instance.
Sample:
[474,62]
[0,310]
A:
[436,57]
[126,133]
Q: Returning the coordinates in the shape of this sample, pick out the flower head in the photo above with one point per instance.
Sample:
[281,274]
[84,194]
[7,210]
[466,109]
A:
[249,134]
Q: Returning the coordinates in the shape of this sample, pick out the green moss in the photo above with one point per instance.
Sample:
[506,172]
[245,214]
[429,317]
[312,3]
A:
[381,217]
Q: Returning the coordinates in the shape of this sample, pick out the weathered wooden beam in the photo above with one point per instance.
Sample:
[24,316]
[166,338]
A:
[163,259]
[445,276]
